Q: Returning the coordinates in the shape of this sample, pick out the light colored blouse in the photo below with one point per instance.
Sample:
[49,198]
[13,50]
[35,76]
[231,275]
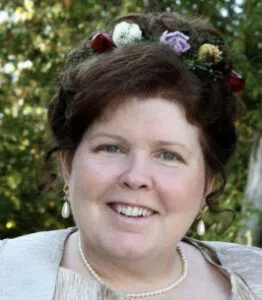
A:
[71,285]
[30,269]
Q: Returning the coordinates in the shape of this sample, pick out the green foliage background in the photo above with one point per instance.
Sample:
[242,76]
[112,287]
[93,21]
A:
[35,37]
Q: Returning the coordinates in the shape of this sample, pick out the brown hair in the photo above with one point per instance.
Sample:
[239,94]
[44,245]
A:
[91,84]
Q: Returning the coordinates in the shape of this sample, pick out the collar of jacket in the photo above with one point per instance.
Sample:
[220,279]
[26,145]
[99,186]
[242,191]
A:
[29,265]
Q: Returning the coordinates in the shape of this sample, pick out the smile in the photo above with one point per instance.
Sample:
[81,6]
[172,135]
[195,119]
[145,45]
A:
[131,211]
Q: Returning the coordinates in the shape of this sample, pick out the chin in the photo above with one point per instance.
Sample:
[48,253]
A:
[131,246]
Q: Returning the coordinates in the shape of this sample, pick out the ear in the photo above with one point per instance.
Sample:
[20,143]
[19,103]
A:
[65,165]
[210,184]
[210,180]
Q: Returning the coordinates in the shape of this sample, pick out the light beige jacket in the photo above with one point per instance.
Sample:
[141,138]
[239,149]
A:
[29,266]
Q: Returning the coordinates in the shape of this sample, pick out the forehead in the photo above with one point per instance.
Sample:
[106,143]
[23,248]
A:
[148,118]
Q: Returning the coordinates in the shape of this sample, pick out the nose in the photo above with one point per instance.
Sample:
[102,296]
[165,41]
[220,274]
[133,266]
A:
[136,174]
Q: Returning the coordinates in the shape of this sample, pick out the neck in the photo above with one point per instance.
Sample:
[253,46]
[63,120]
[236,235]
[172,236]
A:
[134,275]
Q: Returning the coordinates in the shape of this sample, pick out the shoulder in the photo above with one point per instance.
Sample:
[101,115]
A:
[226,249]
[26,260]
[243,261]
[236,254]
[2,246]
[33,244]
[41,236]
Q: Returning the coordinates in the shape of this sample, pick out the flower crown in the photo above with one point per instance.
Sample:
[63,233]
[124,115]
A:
[205,60]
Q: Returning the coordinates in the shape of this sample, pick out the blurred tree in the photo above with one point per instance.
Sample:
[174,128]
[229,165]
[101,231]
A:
[252,204]
[35,37]
[251,36]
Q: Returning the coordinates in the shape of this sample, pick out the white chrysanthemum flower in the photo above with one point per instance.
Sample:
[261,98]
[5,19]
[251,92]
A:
[126,33]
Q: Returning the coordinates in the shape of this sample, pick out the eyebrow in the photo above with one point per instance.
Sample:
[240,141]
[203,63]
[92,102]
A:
[120,138]
[109,135]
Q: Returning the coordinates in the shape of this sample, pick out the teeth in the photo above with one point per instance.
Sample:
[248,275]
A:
[118,208]
[129,211]
[135,211]
[132,211]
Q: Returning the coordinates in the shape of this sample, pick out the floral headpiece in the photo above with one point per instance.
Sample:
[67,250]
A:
[206,59]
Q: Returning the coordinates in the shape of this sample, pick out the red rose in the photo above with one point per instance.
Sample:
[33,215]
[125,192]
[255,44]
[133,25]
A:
[101,42]
[235,82]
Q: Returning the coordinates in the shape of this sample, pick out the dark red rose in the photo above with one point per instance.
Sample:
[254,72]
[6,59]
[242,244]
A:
[236,82]
[101,42]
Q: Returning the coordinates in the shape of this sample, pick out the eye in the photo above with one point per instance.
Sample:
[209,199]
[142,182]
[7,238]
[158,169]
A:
[168,156]
[111,148]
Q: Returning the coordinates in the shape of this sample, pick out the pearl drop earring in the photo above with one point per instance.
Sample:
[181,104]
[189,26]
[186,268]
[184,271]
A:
[201,227]
[65,212]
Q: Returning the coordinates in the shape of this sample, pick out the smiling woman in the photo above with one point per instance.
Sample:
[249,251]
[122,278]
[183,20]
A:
[119,164]
[144,124]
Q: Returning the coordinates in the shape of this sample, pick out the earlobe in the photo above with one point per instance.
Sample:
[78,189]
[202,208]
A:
[65,166]
[209,185]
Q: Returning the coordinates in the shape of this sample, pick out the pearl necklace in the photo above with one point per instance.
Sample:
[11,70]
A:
[138,295]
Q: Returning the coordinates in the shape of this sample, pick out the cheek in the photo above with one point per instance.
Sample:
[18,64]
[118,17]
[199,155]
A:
[181,189]
[91,176]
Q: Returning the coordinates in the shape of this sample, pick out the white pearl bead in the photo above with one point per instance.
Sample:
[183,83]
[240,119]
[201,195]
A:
[65,210]
[201,228]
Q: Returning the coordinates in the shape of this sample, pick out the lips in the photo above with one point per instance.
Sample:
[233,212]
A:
[131,211]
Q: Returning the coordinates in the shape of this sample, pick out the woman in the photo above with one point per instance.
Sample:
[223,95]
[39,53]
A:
[143,120]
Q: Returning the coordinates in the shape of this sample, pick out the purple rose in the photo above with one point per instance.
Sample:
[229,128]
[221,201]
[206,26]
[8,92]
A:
[176,40]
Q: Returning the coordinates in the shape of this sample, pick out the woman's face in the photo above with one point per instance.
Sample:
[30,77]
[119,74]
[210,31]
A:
[137,179]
